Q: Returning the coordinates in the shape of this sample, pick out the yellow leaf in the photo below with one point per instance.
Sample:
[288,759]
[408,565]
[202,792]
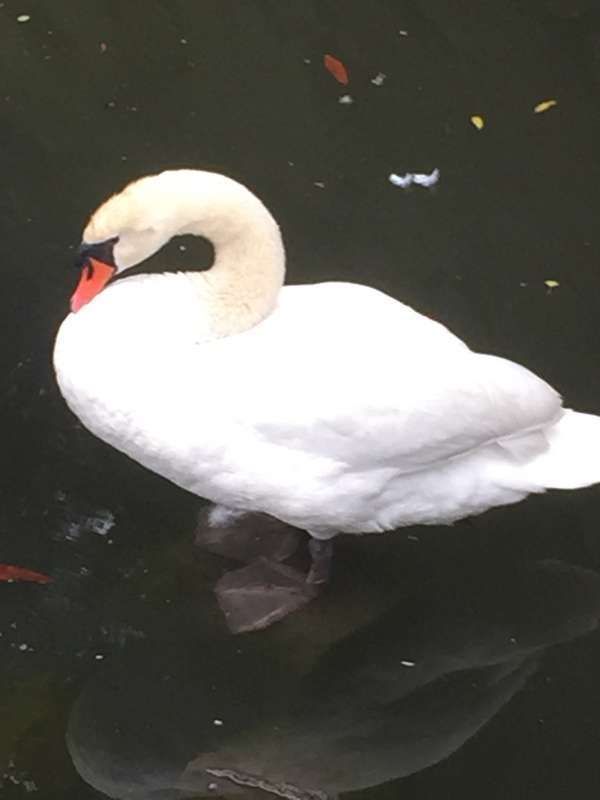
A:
[544,106]
[477,121]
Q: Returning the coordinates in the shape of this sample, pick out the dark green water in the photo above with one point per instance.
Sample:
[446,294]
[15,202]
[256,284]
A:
[459,663]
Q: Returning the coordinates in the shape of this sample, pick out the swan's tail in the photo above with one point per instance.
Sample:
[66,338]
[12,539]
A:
[573,458]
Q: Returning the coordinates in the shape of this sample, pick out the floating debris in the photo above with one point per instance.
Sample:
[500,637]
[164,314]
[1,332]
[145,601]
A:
[426,180]
[402,33]
[101,522]
[477,121]
[409,663]
[23,18]
[218,722]
[346,100]
[420,178]
[103,47]
[336,68]
[319,184]
[11,573]
[544,106]
[552,284]
[378,79]
[17,777]
[403,181]
[288,791]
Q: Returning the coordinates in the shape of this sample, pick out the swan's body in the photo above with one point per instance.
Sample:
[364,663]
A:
[330,406]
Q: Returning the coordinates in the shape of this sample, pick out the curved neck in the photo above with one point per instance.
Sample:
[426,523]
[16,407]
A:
[241,287]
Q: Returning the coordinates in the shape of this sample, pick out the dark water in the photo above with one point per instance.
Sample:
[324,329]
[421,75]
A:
[450,663]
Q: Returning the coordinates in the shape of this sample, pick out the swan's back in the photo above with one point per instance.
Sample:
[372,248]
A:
[346,371]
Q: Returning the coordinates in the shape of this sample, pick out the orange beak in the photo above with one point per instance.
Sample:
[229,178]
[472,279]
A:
[95,275]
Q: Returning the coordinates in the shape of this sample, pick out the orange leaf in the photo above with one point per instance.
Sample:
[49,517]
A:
[336,68]
[8,572]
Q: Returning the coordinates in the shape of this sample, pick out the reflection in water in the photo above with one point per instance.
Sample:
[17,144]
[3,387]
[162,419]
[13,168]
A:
[220,715]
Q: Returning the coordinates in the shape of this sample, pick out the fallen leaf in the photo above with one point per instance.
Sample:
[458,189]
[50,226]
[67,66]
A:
[336,68]
[544,106]
[8,572]
[477,121]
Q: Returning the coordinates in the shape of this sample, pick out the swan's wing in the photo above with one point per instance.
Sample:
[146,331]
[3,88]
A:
[414,421]
[362,379]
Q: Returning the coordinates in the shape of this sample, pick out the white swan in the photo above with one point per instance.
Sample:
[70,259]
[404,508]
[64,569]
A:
[330,406]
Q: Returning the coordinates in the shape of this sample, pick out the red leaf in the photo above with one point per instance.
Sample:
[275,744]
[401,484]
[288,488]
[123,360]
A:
[8,572]
[336,68]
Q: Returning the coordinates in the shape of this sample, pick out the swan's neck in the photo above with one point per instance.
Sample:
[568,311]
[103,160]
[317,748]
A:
[241,287]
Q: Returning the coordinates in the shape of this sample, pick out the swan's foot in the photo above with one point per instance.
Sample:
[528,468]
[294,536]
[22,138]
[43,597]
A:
[261,593]
[265,590]
[245,537]
[321,553]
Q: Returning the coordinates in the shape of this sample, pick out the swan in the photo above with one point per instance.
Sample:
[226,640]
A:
[332,406]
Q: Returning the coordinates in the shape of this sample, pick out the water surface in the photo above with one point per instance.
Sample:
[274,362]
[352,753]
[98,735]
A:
[440,663]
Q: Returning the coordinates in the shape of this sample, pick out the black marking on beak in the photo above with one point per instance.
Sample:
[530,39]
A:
[102,251]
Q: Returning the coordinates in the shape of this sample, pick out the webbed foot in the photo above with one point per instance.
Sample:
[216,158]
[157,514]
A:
[265,590]
[261,593]
[245,537]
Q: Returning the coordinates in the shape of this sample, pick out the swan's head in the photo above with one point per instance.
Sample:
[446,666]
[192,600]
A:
[132,225]
[126,229]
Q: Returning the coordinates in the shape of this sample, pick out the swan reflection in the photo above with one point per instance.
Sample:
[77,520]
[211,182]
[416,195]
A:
[302,711]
